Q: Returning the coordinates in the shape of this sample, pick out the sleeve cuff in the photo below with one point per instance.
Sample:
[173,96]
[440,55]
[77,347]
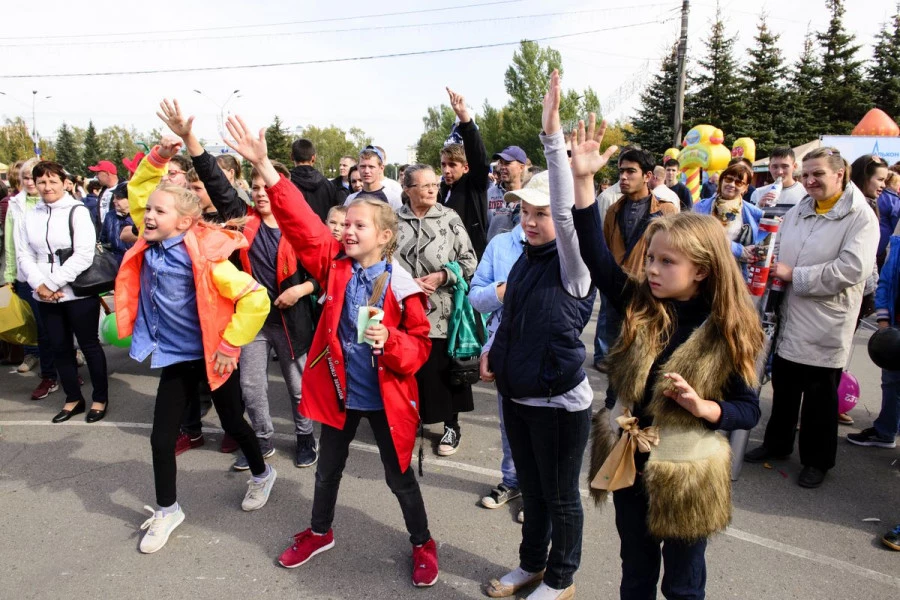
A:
[228,349]
[155,159]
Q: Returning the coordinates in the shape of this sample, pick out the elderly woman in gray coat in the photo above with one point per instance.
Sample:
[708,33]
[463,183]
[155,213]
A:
[430,236]
[827,251]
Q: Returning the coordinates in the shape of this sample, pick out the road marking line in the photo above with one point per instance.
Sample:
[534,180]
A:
[777,546]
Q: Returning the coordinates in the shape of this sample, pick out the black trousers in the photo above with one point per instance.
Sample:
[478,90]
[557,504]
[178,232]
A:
[334,446]
[78,318]
[810,393]
[684,577]
[177,384]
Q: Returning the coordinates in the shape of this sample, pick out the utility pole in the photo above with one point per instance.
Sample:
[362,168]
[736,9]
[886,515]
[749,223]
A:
[679,97]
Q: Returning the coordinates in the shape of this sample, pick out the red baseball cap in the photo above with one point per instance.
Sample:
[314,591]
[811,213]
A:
[105,166]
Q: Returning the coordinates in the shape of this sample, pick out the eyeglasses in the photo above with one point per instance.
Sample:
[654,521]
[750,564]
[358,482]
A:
[425,186]
[732,180]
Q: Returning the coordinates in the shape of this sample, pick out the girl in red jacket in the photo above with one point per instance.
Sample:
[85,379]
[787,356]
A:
[350,374]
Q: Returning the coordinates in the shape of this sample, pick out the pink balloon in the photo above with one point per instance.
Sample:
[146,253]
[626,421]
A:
[848,392]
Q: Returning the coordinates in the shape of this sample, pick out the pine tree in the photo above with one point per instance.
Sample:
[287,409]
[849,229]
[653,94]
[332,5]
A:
[654,121]
[278,140]
[763,82]
[803,102]
[843,92]
[67,151]
[884,72]
[91,154]
[717,97]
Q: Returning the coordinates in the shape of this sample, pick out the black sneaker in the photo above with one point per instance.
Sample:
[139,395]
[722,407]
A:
[265,446]
[811,477]
[870,437]
[449,443]
[307,451]
[892,538]
[761,454]
[499,496]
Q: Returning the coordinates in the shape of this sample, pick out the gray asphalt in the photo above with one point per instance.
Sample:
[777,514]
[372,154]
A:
[71,498]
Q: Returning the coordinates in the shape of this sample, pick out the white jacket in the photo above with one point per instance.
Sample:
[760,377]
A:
[832,256]
[45,230]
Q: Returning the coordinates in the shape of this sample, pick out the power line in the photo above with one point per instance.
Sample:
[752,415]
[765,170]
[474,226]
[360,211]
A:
[104,42]
[307,22]
[332,60]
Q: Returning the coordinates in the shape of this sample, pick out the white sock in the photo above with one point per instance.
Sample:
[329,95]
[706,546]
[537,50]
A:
[516,577]
[168,510]
[544,592]
[262,477]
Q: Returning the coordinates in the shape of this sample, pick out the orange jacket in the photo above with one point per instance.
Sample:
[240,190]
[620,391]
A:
[231,305]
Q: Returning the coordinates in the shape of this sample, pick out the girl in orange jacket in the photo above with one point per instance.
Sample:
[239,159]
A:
[346,379]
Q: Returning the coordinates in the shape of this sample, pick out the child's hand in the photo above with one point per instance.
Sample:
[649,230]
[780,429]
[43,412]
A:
[550,115]
[169,147]
[378,333]
[289,297]
[585,147]
[174,120]
[225,364]
[458,104]
[688,399]
[245,142]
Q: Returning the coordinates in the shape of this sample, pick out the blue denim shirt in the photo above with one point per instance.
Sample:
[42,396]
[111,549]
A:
[363,392]
[168,324]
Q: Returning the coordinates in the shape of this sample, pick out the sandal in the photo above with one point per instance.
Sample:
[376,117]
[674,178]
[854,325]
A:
[495,589]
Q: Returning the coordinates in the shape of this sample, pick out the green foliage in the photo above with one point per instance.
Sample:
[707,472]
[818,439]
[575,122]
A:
[278,140]
[117,143]
[716,96]
[765,97]
[91,153]
[802,100]
[654,121]
[844,98]
[331,144]
[884,71]
[15,141]
[67,153]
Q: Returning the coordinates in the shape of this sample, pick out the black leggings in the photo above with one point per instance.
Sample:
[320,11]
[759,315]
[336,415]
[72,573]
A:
[177,383]
[78,318]
[334,446]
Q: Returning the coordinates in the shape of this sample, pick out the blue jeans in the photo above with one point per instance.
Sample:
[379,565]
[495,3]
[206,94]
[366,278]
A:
[601,345]
[888,421]
[44,351]
[685,562]
[507,466]
[548,446]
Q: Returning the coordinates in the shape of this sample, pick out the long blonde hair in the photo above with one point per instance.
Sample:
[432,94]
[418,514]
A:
[700,239]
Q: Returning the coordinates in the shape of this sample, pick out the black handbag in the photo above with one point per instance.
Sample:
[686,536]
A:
[464,371]
[98,278]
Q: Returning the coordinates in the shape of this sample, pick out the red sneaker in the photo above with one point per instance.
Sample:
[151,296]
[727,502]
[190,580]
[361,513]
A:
[229,444]
[46,387]
[306,545]
[425,564]
[185,442]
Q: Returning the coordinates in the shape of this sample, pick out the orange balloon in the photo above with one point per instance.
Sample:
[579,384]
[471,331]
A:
[876,122]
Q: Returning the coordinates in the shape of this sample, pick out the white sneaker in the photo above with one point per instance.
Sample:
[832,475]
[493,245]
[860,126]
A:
[258,493]
[159,527]
[28,363]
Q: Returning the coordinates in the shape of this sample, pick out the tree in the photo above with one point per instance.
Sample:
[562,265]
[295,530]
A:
[278,140]
[91,153]
[717,97]
[654,121]
[438,123]
[765,96]
[331,144]
[15,141]
[490,124]
[802,104]
[884,71]
[843,91]
[66,151]
[117,143]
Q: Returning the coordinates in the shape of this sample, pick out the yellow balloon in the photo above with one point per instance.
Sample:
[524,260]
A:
[671,153]
[704,149]
[744,147]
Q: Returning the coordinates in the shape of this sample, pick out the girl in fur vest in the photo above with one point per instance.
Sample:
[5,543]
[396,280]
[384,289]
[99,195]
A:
[685,364]
[346,379]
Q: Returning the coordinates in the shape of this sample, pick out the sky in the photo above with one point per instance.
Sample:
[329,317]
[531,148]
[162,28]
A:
[614,47]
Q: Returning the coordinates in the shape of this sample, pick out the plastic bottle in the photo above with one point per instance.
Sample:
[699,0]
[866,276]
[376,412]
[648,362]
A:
[776,187]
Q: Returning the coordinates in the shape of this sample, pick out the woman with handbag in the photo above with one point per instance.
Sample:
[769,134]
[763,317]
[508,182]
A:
[51,256]
[431,236]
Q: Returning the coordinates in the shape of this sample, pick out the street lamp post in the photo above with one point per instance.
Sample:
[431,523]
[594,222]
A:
[34,133]
[221,107]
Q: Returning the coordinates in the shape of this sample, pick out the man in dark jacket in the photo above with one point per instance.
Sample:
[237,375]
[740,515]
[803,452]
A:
[684,194]
[318,191]
[465,173]
[342,182]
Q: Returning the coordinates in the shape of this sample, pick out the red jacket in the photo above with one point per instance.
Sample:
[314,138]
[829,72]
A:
[407,347]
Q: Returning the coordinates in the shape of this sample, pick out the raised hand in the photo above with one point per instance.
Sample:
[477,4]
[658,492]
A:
[458,104]
[252,147]
[170,113]
[169,146]
[550,115]
[585,147]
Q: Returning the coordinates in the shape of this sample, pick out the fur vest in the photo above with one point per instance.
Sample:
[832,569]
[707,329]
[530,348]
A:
[688,475]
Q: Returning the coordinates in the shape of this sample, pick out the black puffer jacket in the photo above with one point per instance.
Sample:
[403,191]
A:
[318,191]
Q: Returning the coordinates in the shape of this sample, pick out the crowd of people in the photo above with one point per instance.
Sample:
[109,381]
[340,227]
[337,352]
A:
[359,286]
